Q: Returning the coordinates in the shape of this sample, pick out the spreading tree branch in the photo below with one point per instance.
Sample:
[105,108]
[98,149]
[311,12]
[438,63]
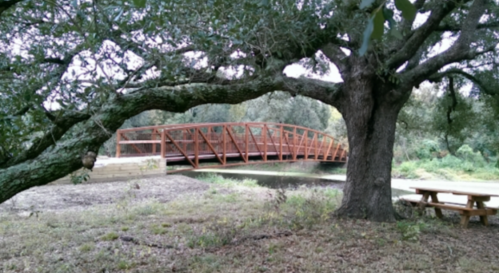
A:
[461,49]
[65,157]
[416,38]
[62,123]
[486,88]
[456,28]
[20,112]
[6,4]
[406,25]
[336,56]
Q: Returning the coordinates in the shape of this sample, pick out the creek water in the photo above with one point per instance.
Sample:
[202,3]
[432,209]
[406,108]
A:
[276,182]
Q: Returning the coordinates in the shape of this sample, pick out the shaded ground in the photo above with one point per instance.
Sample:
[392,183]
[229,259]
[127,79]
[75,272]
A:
[179,224]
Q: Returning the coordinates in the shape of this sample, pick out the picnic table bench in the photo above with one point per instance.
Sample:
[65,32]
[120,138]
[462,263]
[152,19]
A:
[465,210]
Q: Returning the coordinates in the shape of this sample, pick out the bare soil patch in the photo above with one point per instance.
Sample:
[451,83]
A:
[78,197]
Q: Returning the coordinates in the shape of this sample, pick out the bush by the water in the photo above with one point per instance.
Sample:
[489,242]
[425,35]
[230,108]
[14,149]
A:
[467,164]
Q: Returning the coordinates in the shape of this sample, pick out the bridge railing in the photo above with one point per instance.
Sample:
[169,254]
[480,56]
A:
[223,142]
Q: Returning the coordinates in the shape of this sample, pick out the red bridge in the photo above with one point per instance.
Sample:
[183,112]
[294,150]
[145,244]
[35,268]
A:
[229,144]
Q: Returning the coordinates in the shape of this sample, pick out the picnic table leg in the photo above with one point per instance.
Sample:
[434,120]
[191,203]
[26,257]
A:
[422,203]
[483,218]
[438,211]
[465,218]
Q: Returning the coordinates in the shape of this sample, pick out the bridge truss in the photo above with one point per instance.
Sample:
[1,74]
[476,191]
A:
[229,144]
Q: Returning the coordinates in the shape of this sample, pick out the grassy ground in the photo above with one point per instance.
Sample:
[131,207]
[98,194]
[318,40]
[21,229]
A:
[236,226]
[448,168]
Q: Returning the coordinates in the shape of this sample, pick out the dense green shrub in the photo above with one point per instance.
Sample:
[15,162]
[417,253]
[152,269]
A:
[465,165]
[427,149]
[466,153]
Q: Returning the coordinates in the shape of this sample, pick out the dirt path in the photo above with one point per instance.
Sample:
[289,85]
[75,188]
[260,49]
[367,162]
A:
[78,197]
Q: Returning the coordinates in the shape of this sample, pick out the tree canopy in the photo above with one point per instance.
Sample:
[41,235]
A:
[71,72]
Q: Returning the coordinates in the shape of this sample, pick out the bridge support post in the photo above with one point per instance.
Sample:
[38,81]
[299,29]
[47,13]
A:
[316,148]
[118,147]
[196,148]
[280,142]
[295,150]
[305,140]
[246,139]
[336,151]
[153,137]
[224,148]
[264,134]
[163,143]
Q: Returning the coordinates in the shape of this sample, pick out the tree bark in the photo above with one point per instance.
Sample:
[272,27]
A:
[370,109]
[66,156]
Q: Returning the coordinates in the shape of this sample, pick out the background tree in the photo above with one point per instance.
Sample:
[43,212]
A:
[438,121]
[72,72]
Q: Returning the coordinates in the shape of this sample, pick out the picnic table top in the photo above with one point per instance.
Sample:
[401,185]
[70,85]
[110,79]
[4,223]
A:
[454,192]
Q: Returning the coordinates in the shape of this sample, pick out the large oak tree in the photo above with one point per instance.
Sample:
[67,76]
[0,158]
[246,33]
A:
[72,71]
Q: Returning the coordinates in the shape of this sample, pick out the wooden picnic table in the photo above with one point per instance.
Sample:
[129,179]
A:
[466,211]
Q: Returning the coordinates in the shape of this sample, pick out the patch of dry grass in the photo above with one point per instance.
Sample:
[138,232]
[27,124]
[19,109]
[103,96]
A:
[233,228]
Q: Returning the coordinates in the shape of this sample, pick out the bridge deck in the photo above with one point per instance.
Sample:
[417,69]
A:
[192,144]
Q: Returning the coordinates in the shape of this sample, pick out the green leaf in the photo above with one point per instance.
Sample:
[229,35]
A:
[366,3]
[388,14]
[140,3]
[366,36]
[407,8]
[27,97]
[378,22]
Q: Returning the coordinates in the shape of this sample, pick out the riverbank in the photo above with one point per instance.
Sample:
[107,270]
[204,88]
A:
[400,187]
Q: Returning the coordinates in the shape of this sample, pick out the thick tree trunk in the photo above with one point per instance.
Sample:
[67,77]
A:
[370,111]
